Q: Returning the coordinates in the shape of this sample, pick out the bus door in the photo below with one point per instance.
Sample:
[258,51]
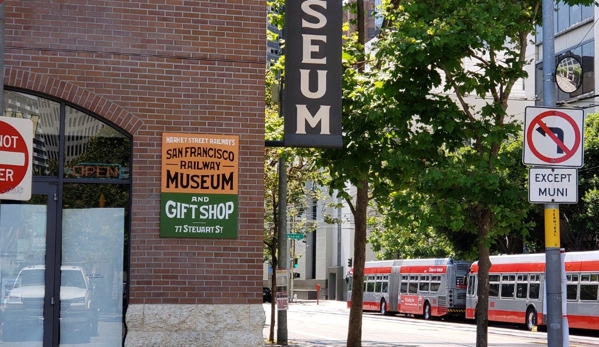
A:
[410,302]
[393,290]
[471,296]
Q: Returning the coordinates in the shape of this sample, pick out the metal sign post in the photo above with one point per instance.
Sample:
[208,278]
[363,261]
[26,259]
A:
[282,274]
[553,147]
[552,231]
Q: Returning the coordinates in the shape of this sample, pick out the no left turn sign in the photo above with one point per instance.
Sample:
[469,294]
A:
[16,154]
[553,137]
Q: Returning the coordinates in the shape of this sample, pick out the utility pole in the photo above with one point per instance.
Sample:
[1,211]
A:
[281,294]
[552,226]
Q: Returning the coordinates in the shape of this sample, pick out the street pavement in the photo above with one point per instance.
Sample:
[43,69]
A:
[328,305]
[330,314]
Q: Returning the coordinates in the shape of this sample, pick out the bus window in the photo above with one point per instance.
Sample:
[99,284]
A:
[403,287]
[370,287]
[377,287]
[413,285]
[571,287]
[571,291]
[435,283]
[507,286]
[521,289]
[424,283]
[385,287]
[471,285]
[588,290]
[370,284]
[533,290]
[493,285]
[349,281]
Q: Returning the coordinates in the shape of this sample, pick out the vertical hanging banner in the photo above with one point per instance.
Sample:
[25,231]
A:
[199,185]
[312,94]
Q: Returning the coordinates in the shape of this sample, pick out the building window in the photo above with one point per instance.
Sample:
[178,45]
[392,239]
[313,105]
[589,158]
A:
[565,17]
[79,213]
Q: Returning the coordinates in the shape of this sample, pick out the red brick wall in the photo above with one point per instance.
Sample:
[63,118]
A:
[154,66]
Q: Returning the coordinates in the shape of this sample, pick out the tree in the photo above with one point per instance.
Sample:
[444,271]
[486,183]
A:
[369,143]
[393,240]
[359,161]
[434,49]
[467,183]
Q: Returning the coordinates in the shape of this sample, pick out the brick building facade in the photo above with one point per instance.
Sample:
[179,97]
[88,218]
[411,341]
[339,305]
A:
[145,68]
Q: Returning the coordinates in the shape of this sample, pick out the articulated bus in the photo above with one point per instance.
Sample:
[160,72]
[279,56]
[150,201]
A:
[517,284]
[422,287]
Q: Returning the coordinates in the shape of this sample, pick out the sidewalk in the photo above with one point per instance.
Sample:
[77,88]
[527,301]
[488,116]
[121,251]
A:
[304,342]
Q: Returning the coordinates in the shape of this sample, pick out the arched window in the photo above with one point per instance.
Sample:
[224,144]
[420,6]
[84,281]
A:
[77,221]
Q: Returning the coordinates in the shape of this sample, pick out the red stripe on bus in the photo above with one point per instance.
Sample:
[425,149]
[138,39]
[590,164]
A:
[589,265]
[574,321]
[583,322]
[507,316]
[371,306]
[518,268]
[432,269]
[538,267]
[377,270]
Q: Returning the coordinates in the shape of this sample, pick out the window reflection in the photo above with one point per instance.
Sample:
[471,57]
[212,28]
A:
[22,261]
[93,238]
[45,115]
[94,149]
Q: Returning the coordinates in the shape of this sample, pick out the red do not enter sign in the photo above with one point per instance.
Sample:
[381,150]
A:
[16,139]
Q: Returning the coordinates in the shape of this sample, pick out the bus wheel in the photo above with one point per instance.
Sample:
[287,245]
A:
[383,308]
[426,314]
[531,318]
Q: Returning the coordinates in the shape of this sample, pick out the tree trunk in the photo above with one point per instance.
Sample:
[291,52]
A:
[354,334]
[484,264]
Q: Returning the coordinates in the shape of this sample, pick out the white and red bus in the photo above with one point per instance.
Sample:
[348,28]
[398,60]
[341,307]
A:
[423,287]
[517,284]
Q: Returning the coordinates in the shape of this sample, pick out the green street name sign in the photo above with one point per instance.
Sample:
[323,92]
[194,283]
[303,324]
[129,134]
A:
[295,236]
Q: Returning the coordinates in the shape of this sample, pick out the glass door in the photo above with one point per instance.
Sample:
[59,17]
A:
[26,228]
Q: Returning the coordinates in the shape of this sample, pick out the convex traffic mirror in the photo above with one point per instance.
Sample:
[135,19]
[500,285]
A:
[568,73]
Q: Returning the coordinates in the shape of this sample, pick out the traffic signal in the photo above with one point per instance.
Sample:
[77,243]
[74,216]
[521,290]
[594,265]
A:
[295,262]
[349,262]
[296,275]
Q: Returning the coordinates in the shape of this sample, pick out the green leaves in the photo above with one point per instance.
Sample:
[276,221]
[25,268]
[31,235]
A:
[451,160]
